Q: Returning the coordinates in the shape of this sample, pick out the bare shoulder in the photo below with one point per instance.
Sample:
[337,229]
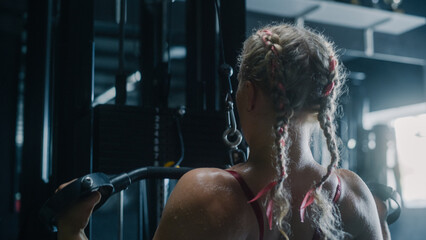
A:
[355,184]
[210,184]
[203,205]
[358,208]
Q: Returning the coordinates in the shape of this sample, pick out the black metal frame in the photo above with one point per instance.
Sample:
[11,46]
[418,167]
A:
[11,59]
[59,86]
[201,62]
[37,75]
[67,70]
[233,33]
[73,90]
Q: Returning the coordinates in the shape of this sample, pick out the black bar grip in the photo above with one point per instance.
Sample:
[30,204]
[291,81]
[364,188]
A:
[106,185]
[76,190]
[157,172]
[121,182]
[385,193]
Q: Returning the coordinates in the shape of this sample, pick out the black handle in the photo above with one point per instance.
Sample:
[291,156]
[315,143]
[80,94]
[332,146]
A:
[385,193]
[106,185]
[78,189]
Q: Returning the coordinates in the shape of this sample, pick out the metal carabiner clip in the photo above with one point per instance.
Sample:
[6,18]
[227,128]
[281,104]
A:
[235,155]
[232,125]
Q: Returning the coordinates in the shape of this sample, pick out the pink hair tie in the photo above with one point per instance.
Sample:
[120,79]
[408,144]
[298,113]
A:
[264,190]
[265,41]
[332,64]
[307,201]
[327,90]
[281,87]
[269,212]
[270,205]
[282,142]
[267,31]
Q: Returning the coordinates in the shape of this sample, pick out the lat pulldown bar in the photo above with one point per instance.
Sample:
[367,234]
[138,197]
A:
[107,185]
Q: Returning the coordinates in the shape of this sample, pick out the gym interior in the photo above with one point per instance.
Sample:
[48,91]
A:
[113,86]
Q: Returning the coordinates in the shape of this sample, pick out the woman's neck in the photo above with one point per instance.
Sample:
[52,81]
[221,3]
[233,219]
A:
[262,157]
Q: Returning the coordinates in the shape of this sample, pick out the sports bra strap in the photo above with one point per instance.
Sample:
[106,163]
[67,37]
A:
[338,190]
[249,195]
[258,211]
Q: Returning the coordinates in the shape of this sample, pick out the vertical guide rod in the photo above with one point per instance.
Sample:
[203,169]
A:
[121,217]
[121,78]
[369,36]
[122,21]
[46,166]
[300,19]
[369,42]
[141,211]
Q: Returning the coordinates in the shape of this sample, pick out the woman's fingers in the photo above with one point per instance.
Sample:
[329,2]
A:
[77,216]
[74,219]
[64,185]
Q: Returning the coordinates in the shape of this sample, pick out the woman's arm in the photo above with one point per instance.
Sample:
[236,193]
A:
[358,208]
[383,212]
[203,205]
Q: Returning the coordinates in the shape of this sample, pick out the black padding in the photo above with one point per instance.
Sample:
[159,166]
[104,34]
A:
[78,189]
[157,172]
[106,185]
[385,193]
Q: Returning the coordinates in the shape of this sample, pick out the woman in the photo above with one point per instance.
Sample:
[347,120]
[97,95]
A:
[289,82]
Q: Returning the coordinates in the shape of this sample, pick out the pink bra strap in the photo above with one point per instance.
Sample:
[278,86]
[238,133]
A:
[249,195]
[338,190]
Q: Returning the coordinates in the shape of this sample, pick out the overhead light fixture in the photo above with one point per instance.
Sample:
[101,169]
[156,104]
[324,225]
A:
[109,95]
[394,4]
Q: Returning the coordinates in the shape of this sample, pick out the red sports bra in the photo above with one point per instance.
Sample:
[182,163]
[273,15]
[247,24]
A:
[258,211]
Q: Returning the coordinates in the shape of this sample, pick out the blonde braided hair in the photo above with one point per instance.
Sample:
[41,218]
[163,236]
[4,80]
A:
[298,68]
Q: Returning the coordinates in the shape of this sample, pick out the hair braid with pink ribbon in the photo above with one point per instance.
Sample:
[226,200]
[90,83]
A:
[283,116]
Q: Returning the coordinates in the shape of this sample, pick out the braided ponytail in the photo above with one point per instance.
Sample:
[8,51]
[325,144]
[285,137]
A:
[324,213]
[279,195]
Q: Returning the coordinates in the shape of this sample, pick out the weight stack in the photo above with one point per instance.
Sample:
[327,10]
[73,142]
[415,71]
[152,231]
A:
[128,137]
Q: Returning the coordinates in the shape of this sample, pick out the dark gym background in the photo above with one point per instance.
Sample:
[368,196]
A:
[65,111]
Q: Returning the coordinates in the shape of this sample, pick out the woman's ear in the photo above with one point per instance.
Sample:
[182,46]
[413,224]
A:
[250,89]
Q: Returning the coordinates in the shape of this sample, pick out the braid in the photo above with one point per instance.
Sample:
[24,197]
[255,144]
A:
[281,194]
[324,213]
[326,119]
[326,124]
[284,112]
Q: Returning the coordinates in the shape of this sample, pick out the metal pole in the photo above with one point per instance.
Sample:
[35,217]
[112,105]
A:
[121,216]
[120,80]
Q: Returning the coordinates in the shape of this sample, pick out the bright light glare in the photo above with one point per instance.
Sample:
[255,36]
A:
[351,143]
[110,93]
[411,146]
[134,78]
